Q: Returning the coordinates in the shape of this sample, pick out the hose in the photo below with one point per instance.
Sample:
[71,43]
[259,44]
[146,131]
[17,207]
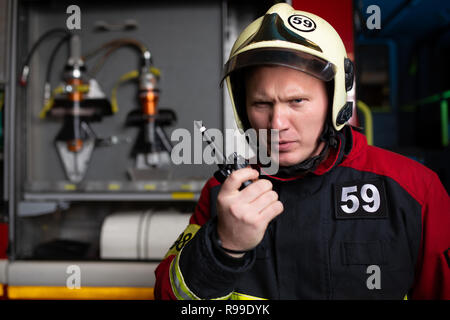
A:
[53,56]
[26,65]
[112,46]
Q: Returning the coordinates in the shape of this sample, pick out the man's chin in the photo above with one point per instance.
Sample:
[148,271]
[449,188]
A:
[287,160]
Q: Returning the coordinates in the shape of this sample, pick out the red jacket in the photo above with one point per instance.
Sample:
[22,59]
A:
[363,211]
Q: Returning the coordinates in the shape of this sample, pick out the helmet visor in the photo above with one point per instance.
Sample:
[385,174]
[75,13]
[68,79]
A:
[294,59]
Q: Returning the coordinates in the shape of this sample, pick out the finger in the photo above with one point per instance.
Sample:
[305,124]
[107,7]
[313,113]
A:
[256,189]
[271,211]
[264,200]
[235,180]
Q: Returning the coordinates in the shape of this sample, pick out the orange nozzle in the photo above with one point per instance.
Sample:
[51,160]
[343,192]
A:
[75,145]
[149,101]
[75,95]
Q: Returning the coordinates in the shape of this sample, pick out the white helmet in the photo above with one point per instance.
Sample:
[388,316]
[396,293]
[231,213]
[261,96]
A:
[295,39]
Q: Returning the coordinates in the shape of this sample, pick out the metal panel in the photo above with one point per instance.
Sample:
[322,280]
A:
[9,129]
[185,42]
[3,271]
[120,196]
[109,274]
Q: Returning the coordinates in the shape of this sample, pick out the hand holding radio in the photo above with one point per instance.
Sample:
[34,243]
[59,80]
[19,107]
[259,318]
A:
[245,204]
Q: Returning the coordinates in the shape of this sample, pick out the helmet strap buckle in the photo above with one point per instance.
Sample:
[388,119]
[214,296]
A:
[345,113]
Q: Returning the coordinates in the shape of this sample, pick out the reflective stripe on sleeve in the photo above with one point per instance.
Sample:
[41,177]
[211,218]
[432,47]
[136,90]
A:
[179,287]
[243,296]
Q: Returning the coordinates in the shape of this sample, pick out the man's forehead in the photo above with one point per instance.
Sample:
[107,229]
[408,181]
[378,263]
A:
[268,70]
[264,80]
[265,92]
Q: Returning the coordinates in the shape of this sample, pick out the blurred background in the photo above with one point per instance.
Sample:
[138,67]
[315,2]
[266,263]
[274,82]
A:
[91,91]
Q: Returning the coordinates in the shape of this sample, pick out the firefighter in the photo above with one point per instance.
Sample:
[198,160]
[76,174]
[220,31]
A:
[340,220]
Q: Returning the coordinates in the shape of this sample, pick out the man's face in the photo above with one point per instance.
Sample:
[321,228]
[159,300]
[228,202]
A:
[291,101]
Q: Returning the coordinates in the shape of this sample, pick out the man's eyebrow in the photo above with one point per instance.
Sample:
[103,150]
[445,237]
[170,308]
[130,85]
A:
[288,97]
[297,95]
[259,97]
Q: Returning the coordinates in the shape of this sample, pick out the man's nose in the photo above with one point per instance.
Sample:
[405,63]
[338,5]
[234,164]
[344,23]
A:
[279,117]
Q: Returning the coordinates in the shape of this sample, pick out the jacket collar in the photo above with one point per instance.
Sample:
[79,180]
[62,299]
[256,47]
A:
[335,156]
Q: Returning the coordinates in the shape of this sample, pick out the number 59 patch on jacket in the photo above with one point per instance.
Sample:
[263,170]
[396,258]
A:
[361,200]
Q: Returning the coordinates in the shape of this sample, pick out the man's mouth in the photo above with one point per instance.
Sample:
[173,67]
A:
[285,145]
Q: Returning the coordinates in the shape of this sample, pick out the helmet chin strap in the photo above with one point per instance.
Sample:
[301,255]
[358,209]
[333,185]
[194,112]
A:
[330,137]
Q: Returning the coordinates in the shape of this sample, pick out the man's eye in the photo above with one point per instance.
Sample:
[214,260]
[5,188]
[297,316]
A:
[299,100]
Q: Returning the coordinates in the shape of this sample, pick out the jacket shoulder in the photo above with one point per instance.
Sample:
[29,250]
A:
[202,212]
[414,177]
